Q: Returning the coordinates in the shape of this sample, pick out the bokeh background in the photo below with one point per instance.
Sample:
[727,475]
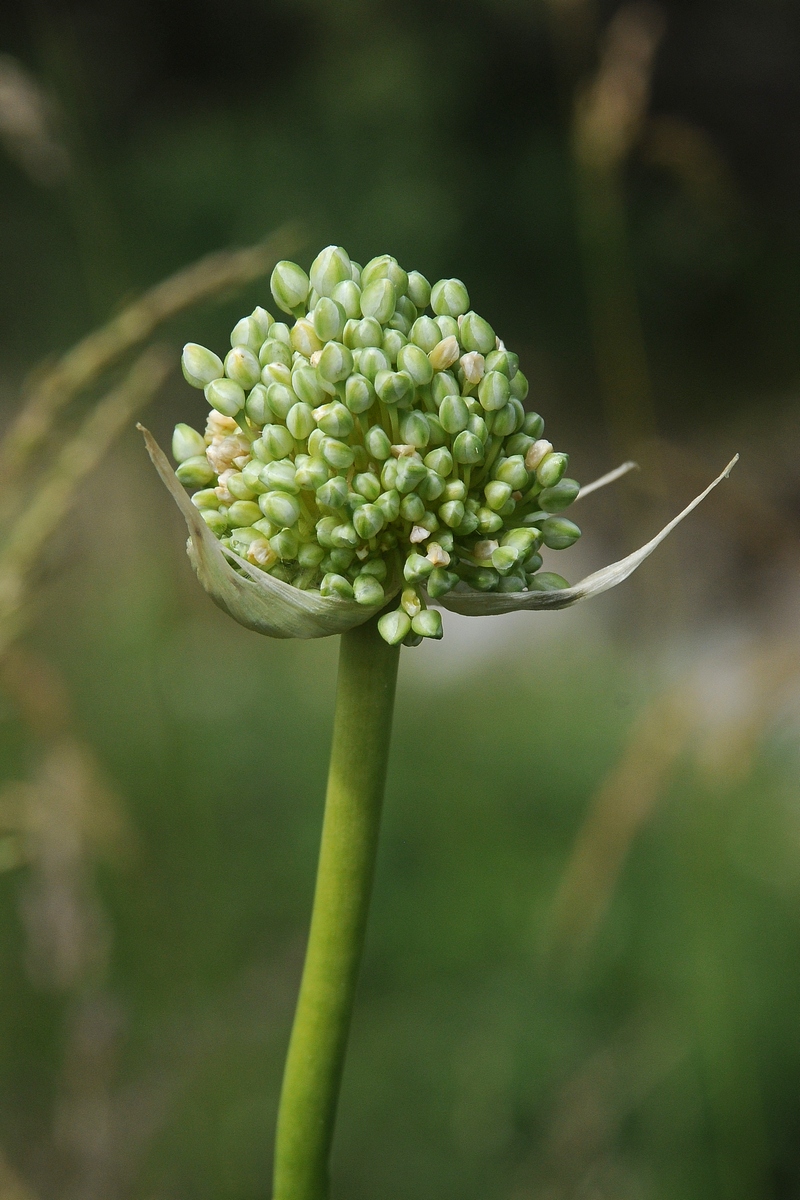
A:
[582,977]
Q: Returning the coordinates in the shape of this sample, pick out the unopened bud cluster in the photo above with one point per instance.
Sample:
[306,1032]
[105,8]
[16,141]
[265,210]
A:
[378,433]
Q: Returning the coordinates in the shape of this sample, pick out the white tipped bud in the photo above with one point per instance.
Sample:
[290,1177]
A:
[438,556]
[418,534]
[537,453]
[473,366]
[444,354]
[200,366]
[485,549]
[187,443]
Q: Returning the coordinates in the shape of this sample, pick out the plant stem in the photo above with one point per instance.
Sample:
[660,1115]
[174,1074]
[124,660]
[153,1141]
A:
[361,732]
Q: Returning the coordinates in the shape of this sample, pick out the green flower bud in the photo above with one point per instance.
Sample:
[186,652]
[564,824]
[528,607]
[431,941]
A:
[431,487]
[394,387]
[452,513]
[555,499]
[416,362]
[440,461]
[515,581]
[522,540]
[282,399]
[289,285]
[368,521]
[448,327]
[551,469]
[392,344]
[519,387]
[512,471]
[257,405]
[378,300]
[547,581]
[394,626]
[342,558]
[449,298]
[195,471]
[428,623]
[225,396]
[348,295]
[311,474]
[443,385]
[279,331]
[425,334]
[468,449]
[489,521]
[389,504]
[389,473]
[243,512]
[368,591]
[248,333]
[359,394]
[304,338]
[504,559]
[307,386]
[310,554]
[274,352]
[333,493]
[216,522]
[476,334]
[207,498]
[330,267]
[368,332]
[385,267]
[262,320]
[438,437]
[419,290]
[558,533]
[414,429]
[372,361]
[367,485]
[280,476]
[520,443]
[532,564]
[328,319]
[456,489]
[399,322]
[410,472]
[324,530]
[335,363]
[440,582]
[453,414]
[334,419]
[336,585]
[238,487]
[278,441]
[187,443]
[337,454]
[444,354]
[349,334]
[200,366]
[251,477]
[504,362]
[344,536]
[505,421]
[493,391]
[375,567]
[377,443]
[416,568]
[412,508]
[497,494]
[300,421]
[280,508]
[478,426]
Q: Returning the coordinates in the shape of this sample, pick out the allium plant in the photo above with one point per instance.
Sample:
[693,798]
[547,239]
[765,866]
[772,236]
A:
[364,457]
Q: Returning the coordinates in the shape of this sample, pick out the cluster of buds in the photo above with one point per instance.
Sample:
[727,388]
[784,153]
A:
[375,443]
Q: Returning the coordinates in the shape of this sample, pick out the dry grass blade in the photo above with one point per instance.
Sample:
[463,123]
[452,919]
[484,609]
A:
[604,480]
[90,358]
[80,455]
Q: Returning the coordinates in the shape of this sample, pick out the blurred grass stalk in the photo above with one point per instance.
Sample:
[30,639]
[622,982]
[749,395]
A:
[52,823]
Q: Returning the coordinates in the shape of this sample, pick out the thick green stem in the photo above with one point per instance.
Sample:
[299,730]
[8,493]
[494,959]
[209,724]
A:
[356,778]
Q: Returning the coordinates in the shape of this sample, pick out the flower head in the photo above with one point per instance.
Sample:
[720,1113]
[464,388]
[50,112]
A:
[374,444]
